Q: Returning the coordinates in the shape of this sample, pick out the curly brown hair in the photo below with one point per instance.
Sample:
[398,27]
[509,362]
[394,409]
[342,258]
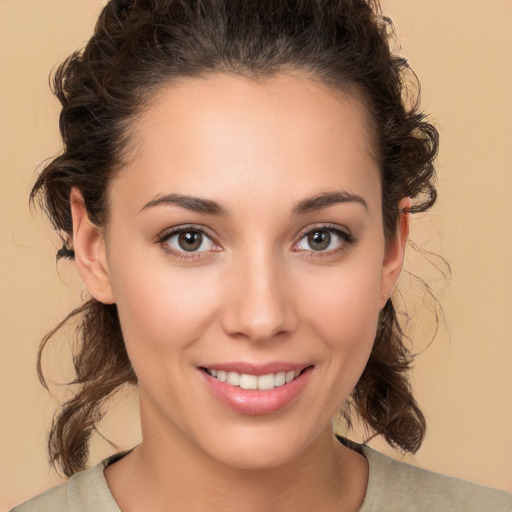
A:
[139,46]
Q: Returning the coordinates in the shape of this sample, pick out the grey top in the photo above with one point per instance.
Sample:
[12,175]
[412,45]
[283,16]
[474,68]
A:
[392,486]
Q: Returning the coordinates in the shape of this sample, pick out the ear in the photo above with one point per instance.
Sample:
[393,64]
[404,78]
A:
[394,255]
[90,251]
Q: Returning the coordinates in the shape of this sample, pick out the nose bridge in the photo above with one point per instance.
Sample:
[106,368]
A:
[258,307]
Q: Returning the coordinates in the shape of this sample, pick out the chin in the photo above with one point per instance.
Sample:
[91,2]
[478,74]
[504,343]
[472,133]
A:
[259,448]
[255,459]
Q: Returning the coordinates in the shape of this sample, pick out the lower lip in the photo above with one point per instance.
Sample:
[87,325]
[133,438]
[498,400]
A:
[257,402]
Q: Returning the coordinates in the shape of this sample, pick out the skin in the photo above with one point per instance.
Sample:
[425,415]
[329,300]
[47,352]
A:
[257,292]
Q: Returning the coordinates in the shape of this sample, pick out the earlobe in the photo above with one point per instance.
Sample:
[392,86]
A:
[90,251]
[394,256]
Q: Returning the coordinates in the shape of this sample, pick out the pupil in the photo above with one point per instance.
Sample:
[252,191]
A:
[190,240]
[319,240]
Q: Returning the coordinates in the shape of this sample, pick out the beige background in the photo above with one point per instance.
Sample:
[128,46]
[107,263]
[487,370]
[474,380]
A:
[461,50]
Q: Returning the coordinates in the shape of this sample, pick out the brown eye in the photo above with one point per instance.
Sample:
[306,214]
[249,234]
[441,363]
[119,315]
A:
[325,239]
[187,240]
[319,239]
[190,240]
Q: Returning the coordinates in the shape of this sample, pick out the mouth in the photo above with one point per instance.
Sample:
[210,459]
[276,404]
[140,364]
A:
[255,382]
[257,390]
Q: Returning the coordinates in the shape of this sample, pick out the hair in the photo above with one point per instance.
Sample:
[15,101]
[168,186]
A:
[140,46]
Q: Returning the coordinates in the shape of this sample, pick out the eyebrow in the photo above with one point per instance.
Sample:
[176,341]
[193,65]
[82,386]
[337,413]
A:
[210,207]
[325,200]
[195,204]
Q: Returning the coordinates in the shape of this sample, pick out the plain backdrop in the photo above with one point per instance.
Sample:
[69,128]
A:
[461,51]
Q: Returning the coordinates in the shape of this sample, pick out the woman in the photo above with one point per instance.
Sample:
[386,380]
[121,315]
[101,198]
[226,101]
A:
[235,189]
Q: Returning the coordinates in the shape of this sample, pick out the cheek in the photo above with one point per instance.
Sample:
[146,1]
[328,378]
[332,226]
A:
[342,309]
[345,299]
[162,308]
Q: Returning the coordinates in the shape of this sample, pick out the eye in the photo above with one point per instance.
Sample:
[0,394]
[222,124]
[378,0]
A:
[186,240]
[324,239]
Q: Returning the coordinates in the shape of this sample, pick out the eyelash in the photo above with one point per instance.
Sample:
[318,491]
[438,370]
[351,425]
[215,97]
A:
[346,238]
[164,238]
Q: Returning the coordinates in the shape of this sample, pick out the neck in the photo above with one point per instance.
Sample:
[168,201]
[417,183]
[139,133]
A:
[326,476]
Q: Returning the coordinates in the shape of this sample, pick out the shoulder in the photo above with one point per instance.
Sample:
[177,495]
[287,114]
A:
[395,485]
[53,500]
[86,491]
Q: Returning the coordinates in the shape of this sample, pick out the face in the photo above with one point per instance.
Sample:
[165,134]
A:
[244,250]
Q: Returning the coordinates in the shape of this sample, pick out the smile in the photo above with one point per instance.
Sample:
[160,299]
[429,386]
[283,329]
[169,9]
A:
[256,390]
[248,381]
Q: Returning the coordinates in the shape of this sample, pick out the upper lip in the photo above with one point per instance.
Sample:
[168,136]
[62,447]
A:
[257,368]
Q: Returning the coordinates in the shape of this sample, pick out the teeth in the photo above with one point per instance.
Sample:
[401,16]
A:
[280,379]
[233,379]
[266,381]
[247,381]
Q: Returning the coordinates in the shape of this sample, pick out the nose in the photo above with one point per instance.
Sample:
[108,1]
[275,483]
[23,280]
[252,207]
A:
[259,303]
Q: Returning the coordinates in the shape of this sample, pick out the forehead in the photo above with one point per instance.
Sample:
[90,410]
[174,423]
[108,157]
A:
[234,136]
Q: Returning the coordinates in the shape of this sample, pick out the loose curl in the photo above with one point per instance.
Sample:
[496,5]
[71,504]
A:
[140,46]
